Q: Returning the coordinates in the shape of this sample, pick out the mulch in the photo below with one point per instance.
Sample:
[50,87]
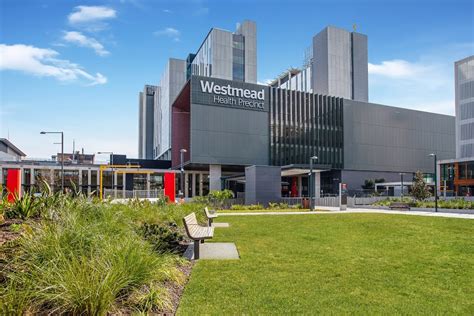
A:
[6,234]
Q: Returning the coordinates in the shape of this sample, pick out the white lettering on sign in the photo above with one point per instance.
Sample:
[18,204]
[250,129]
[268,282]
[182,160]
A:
[211,87]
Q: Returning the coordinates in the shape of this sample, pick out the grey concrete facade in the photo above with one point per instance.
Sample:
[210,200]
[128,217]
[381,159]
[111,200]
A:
[146,103]
[391,139]
[228,134]
[340,64]
[262,184]
[464,107]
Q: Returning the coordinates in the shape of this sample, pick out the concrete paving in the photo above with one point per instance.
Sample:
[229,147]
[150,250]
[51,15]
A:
[214,251]
[335,210]
[222,225]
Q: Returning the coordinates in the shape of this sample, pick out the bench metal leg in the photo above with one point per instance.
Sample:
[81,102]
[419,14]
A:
[196,249]
[209,220]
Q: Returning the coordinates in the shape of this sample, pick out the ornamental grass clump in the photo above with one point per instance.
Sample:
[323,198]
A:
[87,258]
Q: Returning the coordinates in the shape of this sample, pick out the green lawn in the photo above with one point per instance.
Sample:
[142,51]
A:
[265,210]
[347,263]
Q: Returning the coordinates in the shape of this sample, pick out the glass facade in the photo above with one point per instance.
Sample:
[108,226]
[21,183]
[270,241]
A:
[303,125]
[238,57]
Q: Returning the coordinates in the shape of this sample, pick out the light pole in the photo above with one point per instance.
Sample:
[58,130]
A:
[111,153]
[435,181]
[311,181]
[401,180]
[62,156]
[181,154]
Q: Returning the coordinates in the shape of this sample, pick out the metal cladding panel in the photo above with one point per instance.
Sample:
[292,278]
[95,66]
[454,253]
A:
[140,125]
[262,184]
[385,138]
[221,54]
[227,133]
[320,68]
[360,67]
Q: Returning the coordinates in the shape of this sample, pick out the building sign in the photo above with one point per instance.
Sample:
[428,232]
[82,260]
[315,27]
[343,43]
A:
[230,93]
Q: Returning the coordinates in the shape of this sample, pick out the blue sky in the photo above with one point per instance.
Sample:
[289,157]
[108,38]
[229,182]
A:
[78,66]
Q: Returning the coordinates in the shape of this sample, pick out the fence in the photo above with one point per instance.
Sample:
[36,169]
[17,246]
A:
[132,194]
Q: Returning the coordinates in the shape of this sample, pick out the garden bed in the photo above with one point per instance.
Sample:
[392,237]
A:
[77,255]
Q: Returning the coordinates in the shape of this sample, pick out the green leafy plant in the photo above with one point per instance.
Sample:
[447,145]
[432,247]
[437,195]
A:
[22,207]
[164,237]
[89,257]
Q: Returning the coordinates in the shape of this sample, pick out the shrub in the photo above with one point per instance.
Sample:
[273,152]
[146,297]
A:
[88,257]
[22,207]
[165,237]
[239,207]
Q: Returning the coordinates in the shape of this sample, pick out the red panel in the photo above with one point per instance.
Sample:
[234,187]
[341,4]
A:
[294,187]
[13,184]
[170,186]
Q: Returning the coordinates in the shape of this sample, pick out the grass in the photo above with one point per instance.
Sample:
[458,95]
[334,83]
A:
[338,264]
[265,210]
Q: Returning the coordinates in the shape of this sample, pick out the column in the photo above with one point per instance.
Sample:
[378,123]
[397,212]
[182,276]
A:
[148,185]
[115,175]
[80,179]
[1,176]
[32,175]
[215,173]
[201,176]
[186,185]
[89,176]
[317,184]
[124,177]
[193,185]
[52,179]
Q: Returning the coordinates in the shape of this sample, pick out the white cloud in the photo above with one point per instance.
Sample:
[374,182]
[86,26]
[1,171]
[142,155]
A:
[425,84]
[169,32]
[91,18]
[398,68]
[80,39]
[91,13]
[42,62]
[167,11]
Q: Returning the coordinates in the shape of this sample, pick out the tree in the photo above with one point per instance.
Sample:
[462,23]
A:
[419,189]
[368,184]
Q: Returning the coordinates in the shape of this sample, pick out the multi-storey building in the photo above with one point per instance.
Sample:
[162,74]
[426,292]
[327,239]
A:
[171,83]
[337,65]
[146,107]
[223,54]
[457,175]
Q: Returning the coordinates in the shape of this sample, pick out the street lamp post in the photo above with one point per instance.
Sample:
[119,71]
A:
[181,152]
[435,181]
[401,180]
[311,181]
[62,156]
[111,153]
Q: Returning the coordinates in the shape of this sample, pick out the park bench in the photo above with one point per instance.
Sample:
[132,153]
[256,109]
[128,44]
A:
[210,214]
[196,232]
[399,206]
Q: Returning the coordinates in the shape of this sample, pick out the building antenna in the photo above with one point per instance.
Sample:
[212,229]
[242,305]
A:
[354,27]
